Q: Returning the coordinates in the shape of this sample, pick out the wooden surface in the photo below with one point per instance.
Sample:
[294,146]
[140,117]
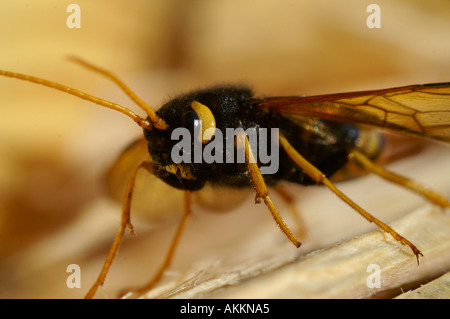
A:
[54,149]
[436,289]
[336,272]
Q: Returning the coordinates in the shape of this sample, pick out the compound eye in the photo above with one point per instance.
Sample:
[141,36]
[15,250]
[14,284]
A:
[191,122]
[206,120]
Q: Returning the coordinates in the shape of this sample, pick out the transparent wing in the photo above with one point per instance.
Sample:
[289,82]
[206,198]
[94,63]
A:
[421,110]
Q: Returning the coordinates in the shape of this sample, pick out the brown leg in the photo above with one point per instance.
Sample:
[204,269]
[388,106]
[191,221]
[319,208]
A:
[261,189]
[319,177]
[167,261]
[290,201]
[125,222]
[398,179]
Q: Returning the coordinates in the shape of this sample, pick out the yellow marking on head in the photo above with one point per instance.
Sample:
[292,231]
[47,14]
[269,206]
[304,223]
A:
[208,121]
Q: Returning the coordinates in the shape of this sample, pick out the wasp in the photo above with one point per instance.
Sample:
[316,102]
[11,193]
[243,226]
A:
[317,137]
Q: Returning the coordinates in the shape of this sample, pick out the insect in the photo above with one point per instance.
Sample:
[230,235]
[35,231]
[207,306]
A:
[316,137]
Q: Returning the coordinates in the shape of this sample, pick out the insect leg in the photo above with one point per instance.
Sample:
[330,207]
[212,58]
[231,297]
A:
[125,222]
[289,199]
[261,189]
[398,179]
[168,259]
[319,177]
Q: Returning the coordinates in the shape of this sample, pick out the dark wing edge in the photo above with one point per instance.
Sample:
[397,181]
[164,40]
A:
[420,110]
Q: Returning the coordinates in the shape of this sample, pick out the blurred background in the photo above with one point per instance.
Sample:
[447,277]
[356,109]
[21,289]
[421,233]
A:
[54,148]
